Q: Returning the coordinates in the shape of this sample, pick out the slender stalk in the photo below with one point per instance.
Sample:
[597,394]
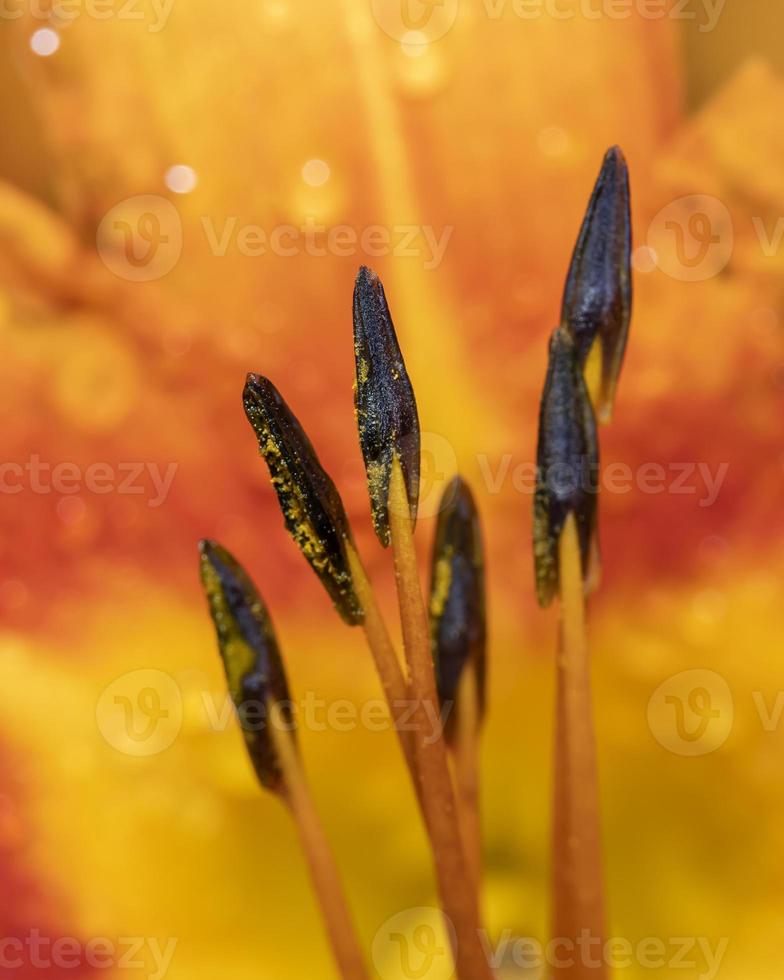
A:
[454,878]
[384,656]
[578,886]
[326,880]
[466,756]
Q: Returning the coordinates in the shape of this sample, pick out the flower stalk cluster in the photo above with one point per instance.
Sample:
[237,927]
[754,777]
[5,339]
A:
[585,359]
[443,663]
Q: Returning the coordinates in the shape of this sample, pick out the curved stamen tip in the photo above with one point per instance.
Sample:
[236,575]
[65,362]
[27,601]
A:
[597,300]
[312,508]
[250,654]
[457,600]
[384,399]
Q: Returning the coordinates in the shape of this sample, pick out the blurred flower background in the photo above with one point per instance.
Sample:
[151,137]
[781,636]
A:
[186,192]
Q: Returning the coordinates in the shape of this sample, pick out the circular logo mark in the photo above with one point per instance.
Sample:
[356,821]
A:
[140,239]
[424,20]
[438,466]
[415,944]
[692,713]
[140,713]
[692,238]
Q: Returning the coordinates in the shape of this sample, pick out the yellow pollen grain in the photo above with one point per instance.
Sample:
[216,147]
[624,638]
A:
[442,582]
[238,657]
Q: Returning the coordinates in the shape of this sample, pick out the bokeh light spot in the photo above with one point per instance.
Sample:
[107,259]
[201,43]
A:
[275,11]
[644,259]
[316,173]
[422,70]
[181,179]
[45,42]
